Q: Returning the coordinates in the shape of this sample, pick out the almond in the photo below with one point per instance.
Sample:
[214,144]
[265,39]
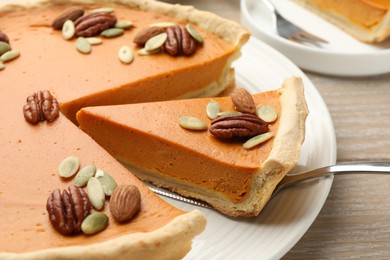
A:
[243,101]
[70,14]
[144,35]
[125,203]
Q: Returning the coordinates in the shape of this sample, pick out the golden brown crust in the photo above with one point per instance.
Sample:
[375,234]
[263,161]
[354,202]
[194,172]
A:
[375,33]
[236,34]
[172,241]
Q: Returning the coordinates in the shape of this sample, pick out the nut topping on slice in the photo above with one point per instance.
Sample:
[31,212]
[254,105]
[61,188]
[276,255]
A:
[40,106]
[179,42]
[125,202]
[4,37]
[68,210]
[243,101]
[244,125]
[70,14]
[93,24]
[145,34]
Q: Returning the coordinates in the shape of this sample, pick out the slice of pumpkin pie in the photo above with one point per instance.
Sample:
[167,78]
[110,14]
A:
[367,20]
[168,144]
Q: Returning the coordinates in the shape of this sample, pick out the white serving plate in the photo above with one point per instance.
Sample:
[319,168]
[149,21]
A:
[343,56]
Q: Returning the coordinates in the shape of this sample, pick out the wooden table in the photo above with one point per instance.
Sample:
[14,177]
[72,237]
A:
[355,220]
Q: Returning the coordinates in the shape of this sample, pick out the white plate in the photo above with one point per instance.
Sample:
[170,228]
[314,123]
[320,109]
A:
[287,216]
[344,55]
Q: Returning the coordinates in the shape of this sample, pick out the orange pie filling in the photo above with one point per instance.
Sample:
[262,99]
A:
[140,141]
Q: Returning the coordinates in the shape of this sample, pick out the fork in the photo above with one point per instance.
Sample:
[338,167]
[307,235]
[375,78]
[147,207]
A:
[292,32]
[290,180]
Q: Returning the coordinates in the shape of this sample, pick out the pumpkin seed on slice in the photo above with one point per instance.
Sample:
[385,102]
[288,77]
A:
[4,47]
[104,10]
[94,223]
[2,66]
[156,42]
[108,183]
[229,113]
[144,52]
[194,33]
[84,174]
[94,40]
[192,123]
[256,140]
[95,193]
[112,32]
[212,109]
[83,45]
[163,24]
[68,30]
[69,166]
[125,54]
[123,24]
[267,113]
[9,55]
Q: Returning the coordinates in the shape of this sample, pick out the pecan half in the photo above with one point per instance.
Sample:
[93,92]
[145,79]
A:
[68,210]
[70,14]
[243,101]
[93,24]
[179,42]
[244,125]
[145,34]
[4,37]
[41,106]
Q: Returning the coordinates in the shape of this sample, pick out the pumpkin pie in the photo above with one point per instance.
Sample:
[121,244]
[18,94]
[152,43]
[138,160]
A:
[31,153]
[233,180]
[99,78]
[367,20]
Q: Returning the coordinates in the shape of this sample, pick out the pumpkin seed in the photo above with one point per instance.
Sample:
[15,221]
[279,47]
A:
[256,140]
[125,54]
[4,47]
[2,66]
[68,30]
[84,174]
[156,42]
[94,223]
[144,52]
[229,113]
[69,166]
[267,113]
[95,193]
[192,123]
[104,10]
[123,24]
[9,55]
[194,33]
[108,183]
[212,109]
[163,24]
[83,45]
[112,32]
[94,40]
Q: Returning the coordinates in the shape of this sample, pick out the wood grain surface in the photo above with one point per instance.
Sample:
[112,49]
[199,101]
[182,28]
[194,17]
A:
[355,220]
